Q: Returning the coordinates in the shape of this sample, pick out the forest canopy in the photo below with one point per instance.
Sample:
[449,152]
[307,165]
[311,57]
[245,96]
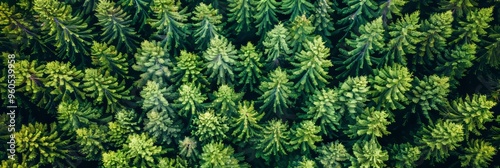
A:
[250,83]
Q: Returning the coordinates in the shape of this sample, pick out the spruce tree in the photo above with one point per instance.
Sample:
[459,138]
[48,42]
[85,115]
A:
[249,67]
[220,60]
[117,29]
[265,15]
[277,92]
[276,47]
[208,24]
[170,23]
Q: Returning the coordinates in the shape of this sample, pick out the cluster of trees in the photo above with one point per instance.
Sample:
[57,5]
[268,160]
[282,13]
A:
[252,83]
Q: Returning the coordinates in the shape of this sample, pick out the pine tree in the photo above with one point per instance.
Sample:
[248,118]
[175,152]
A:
[190,100]
[141,10]
[220,60]
[305,163]
[188,68]
[479,153]
[210,127]
[324,106]
[91,141]
[249,67]
[304,135]
[439,140]
[161,126]
[112,159]
[356,13]
[404,38]
[311,66]
[277,92]
[435,33]
[154,63]
[187,148]
[208,24]
[404,155]
[245,124]
[73,115]
[176,162]
[225,100]
[107,58]
[216,154]
[105,89]
[473,112]
[368,154]
[116,26]
[296,8]
[391,85]
[70,33]
[301,32]
[390,7]
[141,151]
[333,155]
[322,19]
[460,7]
[371,124]
[155,97]
[428,93]
[170,23]
[64,80]
[29,77]
[265,15]
[455,63]
[274,140]
[357,60]
[125,124]
[490,56]
[276,46]
[352,95]
[475,25]
[241,15]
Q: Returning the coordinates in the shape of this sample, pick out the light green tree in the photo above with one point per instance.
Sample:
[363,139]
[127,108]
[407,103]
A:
[190,100]
[225,100]
[428,93]
[277,92]
[154,63]
[210,127]
[155,97]
[170,23]
[390,8]
[368,154]
[216,154]
[478,153]
[437,141]
[333,155]
[404,155]
[324,106]
[276,46]
[245,124]
[105,89]
[220,60]
[249,67]
[29,77]
[188,148]
[322,19]
[91,140]
[141,151]
[188,68]
[64,79]
[304,136]
[391,85]
[274,140]
[370,125]
[112,159]
[161,126]
[473,112]
[107,58]
[126,123]
[301,31]
[265,15]
[208,25]
[352,95]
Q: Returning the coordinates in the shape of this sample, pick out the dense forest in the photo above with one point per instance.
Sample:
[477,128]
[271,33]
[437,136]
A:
[250,83]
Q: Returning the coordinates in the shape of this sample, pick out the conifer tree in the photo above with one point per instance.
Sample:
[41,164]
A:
[105,89]
[216,154]
[64,80]
[322,19]
[304,135]
[265,15]
[371,124]
[277,92]
[153,61]
[479,153]
[391,85]
[368,154]
[245,124]
[249,67]
[390,7]
[170,23]
[435,33]
[220,60]
[274,140]
[125,124]
[155,97]
[141,10]
[474,27]
[225,100]
[492,45]
[357,60]
[141,151]
[91,141]
[324,106]
[208,24]
[107,58]
[276,46]
[472,112]
[333,155]
[176,162]
[188,148]
[439,140]
[188,68]
[241,15]
[70,33]
[29,77]
[73,115]
[356,13]
[190,100]
[353,93]
[210,126]
[404,155]
[428,93]
[311,66]
[161,126]
[112,159]
[301,31]
[296,8]
[305,163]
[460,7]
[116,25]
[455,63]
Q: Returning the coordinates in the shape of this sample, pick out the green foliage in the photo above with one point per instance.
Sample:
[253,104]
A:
[161,126]
[153,61]
[322,19]
[173,163]
[71,34]
[190,100]
[368,154]
[361,49]
[391,84]
[73,115]
[64,79]
[112,159]
[29,77]
[435,32]
[356,13]
[296,8]
[210,126]
[371,124]
[141,151]
[220,59]
[460,7]
[324,106]
[116,26]
[105,89]
[40,145]
[472,112]
[388,8]
[265,15]
[208,25]
[475,25]
[479,153]
[91,141]
[352,95]
[304,136]
[188,68]
[305,163]
[277,92]
[241,14]
[404,37]
[404,155]
[491,57]
[107,58]
[333,155]
[187,148]
[246,122]
[274,140]
[249,67]
[225,100]
[311,66]
[301,32]
[455,63]
[125,124]
[155,97]
[439,140]
[140,9]
[216,154]
[170,22]
[428,93]
[276,46]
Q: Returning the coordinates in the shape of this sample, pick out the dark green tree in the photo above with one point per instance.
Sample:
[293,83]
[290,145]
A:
[126,123]
[492,44]
[459,7]
[277,92]
[226,100]
[208,24]
[479,153]
[356,13]
[73,115]
[107,58]
[473,112]
[322,19]
[428,93]
[333,155]
[311,66]
[265,15]
[352,95]
[29,77]
[105,89]
[391,7]
[116,26]
[245,124]
[241,15]
[210,127]
[324,106]
[188,68]
[391,84]
[92,141]
[170,23]
[64,80]
[154,63]
[404,155]
[141,151]
[296,8]
[216,154]
[304,136]
[370,125]
[437,141]
[475,25]
[155,97]
[276,46]
[368,154]
[455,63]
[176,162]
[141,10]
[220,60]
[274,140]
[161,126]
[249,67]
[435,34]
[301,31]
